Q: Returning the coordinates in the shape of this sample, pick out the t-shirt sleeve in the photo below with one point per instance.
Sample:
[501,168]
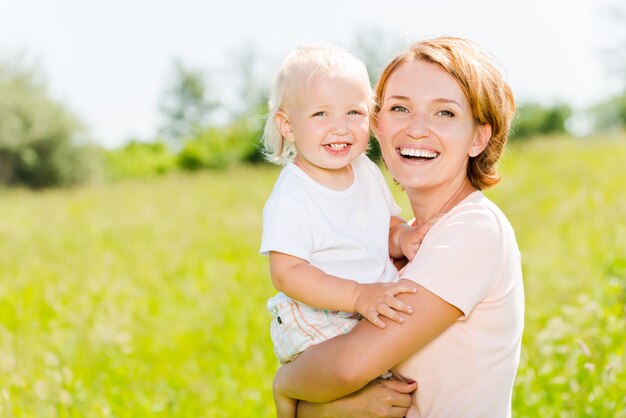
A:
[286,229]
[460,259]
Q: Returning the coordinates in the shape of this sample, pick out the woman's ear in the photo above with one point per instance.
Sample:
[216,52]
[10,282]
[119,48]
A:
[481,139]
[284,126]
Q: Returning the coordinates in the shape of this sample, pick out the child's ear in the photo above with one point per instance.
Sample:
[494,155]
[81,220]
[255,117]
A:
[284,126]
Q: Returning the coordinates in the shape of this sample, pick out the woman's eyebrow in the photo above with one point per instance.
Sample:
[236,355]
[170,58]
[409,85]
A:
[444,100]
[397,97]
[438,100]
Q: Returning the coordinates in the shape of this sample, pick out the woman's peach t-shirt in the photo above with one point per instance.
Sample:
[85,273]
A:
[469,258]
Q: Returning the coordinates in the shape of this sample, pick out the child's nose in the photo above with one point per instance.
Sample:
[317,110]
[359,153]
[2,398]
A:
[340,128]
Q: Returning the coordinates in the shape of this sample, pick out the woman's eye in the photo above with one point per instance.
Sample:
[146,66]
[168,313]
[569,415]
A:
[445,113]
[398,108]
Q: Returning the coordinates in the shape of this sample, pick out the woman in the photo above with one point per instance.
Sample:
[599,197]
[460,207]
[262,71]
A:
[442,120]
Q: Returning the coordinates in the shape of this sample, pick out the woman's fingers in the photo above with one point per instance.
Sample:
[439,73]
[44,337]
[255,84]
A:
[394,398]
[396,411]
[400,386]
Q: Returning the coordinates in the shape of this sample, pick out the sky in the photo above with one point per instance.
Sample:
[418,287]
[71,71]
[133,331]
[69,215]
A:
[111,61]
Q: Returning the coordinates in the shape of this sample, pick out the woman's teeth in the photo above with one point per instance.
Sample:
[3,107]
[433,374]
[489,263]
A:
[419,153]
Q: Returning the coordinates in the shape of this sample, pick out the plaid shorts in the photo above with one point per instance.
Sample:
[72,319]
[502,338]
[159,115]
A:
[297,326]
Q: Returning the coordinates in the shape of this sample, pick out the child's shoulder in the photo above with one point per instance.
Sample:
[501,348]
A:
[290,182]
[363,164]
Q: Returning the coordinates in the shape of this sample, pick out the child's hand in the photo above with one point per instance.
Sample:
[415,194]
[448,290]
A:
[379,298]
[411,239]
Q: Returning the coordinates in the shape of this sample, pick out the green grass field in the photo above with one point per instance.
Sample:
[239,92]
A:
[147,297]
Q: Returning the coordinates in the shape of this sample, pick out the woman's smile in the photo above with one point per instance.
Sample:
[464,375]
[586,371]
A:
[417,155]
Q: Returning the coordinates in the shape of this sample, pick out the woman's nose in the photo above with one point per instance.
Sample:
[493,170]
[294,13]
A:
[417,127]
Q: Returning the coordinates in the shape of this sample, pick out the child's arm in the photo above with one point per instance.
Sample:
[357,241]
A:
[308,284]
[404,239]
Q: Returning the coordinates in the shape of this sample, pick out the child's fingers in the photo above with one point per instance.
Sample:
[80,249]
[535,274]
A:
[372,316]
[397,305]
[390,313]
[403,288]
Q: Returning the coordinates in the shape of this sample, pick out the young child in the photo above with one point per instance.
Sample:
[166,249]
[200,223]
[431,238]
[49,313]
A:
[330,224]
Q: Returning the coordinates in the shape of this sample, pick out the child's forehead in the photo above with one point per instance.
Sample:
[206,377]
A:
[310,83]
[308,78]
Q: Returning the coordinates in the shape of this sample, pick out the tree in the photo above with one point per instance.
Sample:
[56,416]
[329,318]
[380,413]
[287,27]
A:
[185,105]
[610,114]
[39,137]
[252,91]
[534,119]
[375,48]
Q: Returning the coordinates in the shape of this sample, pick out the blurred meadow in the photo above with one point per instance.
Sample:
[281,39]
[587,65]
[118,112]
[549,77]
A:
[146,297]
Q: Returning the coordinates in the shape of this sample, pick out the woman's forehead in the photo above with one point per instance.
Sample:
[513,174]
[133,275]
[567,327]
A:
[415,79]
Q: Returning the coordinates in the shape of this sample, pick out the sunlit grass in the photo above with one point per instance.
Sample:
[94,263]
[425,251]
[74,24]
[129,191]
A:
[147,297]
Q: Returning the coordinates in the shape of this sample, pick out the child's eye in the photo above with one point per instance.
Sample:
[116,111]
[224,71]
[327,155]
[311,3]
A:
[320,113]
[399,108]
[355,112]
[446,113]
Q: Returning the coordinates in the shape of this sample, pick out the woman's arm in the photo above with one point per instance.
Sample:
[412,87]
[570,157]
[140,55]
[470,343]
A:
[380,398]
[344,364]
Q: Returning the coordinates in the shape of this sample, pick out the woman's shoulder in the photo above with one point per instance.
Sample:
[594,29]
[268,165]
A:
[476,218]
[479,207]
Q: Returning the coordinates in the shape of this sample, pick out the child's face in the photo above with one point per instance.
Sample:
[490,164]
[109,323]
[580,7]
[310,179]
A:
[328,120]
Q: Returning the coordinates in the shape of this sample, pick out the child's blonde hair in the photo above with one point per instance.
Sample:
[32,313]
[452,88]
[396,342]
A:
[303,64]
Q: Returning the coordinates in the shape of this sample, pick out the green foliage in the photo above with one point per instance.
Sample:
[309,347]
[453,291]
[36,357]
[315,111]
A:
[577,365]
[373,151]
[147,297]
[565,199]
[186,105]
[533,119]
[139,159]
[38,135]
[610,114]
[220,147]
[212,148]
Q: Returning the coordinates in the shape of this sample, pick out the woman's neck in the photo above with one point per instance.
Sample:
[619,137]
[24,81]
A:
[435,201]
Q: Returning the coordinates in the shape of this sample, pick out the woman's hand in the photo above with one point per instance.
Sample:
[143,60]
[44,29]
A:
[380,398]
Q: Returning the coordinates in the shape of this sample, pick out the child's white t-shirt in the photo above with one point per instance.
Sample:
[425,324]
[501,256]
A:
[344,233]
[470,259]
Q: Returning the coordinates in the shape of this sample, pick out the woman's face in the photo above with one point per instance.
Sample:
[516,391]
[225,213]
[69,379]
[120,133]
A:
[426,128]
